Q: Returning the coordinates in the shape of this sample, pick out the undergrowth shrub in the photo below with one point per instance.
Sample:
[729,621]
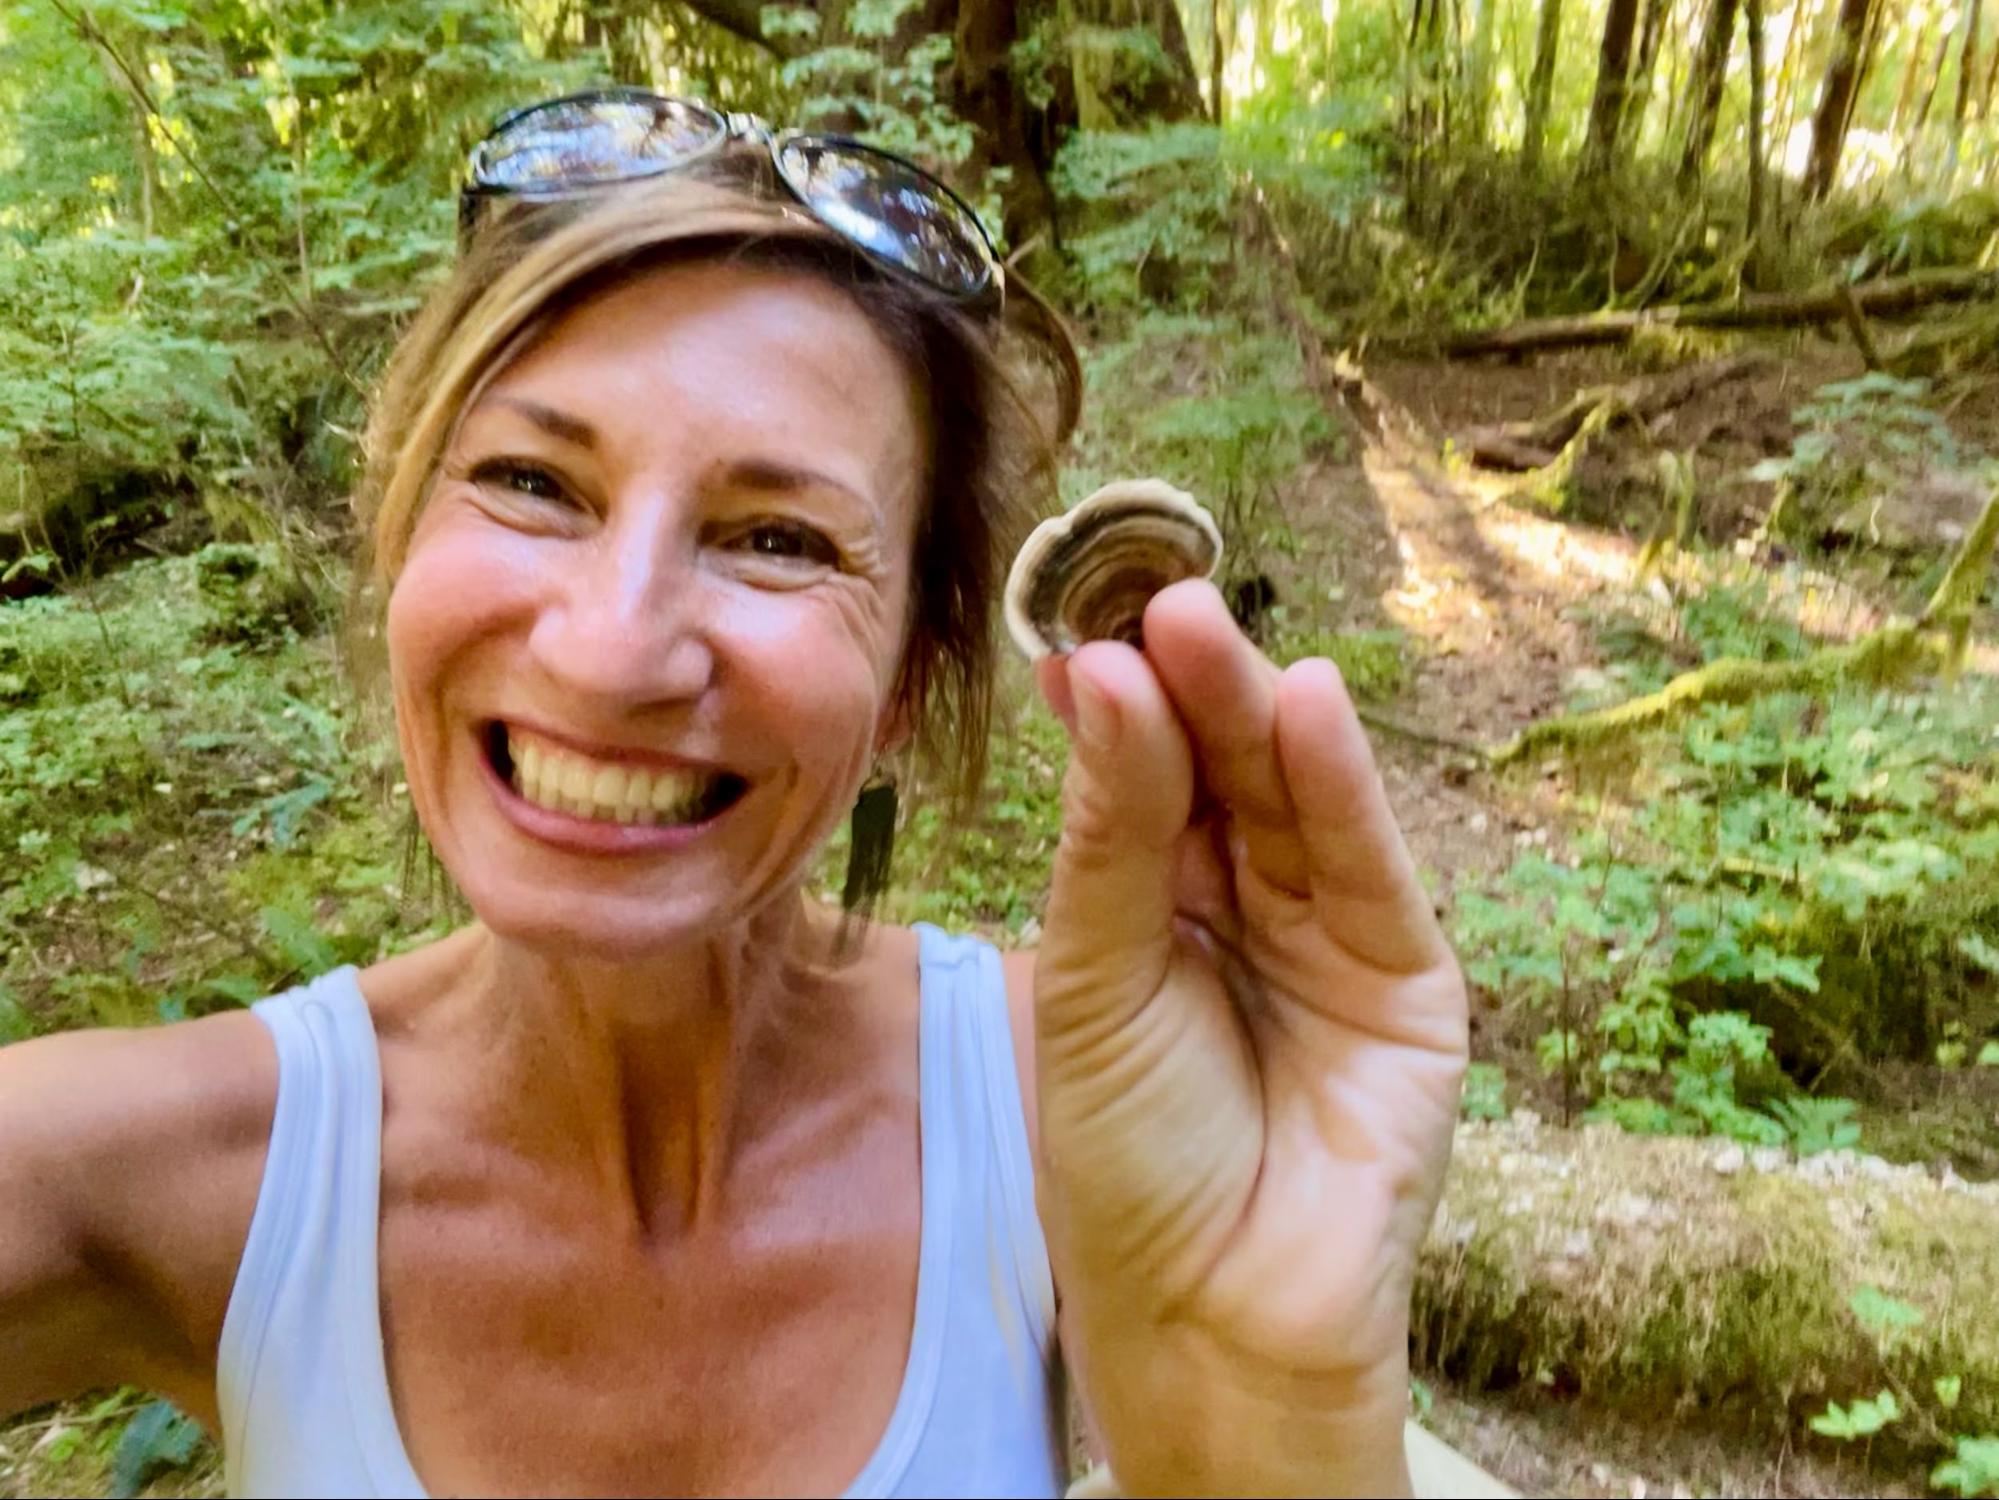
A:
[1771,893]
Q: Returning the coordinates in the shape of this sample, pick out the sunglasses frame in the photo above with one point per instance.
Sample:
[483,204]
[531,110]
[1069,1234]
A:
[730,128]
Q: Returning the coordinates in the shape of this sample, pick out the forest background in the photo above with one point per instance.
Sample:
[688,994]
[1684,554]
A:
[1610,386]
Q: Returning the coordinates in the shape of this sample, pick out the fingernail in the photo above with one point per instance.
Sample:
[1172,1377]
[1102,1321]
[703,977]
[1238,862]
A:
[1096,715]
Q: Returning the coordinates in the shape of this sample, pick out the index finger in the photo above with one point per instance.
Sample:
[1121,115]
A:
[1225,692]
[1363,880]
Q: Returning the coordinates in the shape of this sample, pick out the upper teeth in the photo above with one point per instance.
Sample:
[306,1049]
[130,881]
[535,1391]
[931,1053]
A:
[553,776]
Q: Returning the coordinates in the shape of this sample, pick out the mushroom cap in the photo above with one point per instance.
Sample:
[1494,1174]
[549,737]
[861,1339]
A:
[1088,574]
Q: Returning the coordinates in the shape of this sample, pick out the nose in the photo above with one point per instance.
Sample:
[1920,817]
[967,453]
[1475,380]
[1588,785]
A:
[626,624]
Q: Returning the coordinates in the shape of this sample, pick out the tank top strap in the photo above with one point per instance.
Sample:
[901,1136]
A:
[971,1080]
[301,1339]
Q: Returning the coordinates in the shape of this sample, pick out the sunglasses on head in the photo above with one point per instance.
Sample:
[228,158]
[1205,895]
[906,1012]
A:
[893,211]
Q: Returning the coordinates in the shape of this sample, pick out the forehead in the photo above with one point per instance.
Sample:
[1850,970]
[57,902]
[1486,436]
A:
[770,356]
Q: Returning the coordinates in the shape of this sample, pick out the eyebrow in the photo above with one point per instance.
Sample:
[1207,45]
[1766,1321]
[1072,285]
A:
[559,424]
[770,474]
[751,474]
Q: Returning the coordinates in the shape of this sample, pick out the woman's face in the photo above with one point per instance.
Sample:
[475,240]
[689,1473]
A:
[646,639]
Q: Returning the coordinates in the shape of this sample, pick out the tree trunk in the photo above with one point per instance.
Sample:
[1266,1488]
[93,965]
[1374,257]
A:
[1541,86]
[1906,94]
[1752,20]
[1710,73]
[1218,57]
[1887,297]
[1929,92]
[1613,73]
[1842,85]
[1785,111]
[1985,93]
[1967,65]
[1650,30]
[1478,73]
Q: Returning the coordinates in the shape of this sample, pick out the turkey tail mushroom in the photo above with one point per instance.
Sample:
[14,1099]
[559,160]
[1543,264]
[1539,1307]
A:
[1088,575]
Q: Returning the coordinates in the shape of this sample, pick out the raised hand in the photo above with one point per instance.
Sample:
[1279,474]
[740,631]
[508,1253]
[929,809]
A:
[1250,1036]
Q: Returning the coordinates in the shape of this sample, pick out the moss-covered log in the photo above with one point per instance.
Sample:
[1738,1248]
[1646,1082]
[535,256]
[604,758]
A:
[1890,654]
[1939,637]
[1681,1276]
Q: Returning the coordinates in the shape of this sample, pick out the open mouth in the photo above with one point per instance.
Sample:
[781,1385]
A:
[564,780]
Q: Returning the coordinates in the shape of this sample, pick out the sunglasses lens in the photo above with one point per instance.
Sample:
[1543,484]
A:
[571,142]
[892,210]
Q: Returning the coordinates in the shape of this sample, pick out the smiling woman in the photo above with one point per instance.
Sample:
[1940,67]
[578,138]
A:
[688,502]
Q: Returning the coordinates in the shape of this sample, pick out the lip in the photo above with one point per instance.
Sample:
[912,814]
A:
[615,753]
[587,835]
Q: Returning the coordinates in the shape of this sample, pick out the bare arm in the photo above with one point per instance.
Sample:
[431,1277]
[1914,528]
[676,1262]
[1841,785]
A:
[129,1164]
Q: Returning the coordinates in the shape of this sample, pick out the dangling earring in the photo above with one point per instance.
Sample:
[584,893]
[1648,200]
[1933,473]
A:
[871,843]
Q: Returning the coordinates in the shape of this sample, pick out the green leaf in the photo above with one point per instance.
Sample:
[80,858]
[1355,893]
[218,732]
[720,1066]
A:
[299,940]
[1948,1389]
[1863,1419]
[1886,1317]
[1980,952]
[155,1441]
[1975,1469]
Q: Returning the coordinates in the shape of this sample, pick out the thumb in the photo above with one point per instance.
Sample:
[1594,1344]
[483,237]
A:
[1126,799]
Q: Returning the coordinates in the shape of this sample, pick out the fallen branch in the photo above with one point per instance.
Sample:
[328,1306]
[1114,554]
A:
[1885,297]
[1547,487]
[1939,636]
[1890,654]
[1963,586]
[1517,446]
[1856,324]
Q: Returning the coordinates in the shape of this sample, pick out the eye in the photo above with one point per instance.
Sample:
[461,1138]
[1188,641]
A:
[788,541]
[520,477]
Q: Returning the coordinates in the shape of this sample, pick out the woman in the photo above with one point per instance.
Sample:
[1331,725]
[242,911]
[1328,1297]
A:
[689,495]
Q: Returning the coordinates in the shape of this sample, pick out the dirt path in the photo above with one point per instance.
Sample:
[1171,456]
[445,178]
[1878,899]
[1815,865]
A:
[1487,593]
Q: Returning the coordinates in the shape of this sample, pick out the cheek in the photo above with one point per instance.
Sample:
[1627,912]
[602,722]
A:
[459,581]
[818,668]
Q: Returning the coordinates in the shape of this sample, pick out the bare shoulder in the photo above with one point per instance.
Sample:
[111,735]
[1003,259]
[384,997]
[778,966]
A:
[130,1162]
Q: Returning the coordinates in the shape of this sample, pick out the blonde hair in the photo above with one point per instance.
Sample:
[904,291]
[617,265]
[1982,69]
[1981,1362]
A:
[1001,389]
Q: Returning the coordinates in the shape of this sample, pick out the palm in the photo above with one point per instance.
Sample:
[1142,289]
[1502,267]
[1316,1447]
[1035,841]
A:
[1250,1029]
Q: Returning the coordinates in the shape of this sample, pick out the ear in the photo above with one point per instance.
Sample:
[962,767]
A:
[897,727]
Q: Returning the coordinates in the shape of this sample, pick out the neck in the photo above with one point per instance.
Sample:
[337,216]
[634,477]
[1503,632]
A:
[659,1073]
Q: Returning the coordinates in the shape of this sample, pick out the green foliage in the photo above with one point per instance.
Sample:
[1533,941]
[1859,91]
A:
[1861,440]
[1974,1470]
[1893,1325]
[157,1440]
[1863,1419]
[1816,1125]
[1894,235]
[193,823]
[1484,1096]
[229,209]
[1793,869]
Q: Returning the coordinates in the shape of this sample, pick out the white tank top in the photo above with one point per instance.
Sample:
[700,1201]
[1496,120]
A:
[301,1377]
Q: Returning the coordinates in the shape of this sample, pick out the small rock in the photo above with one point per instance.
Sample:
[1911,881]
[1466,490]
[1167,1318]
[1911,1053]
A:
[1478,822]
[89,877]
[1767,1158]
[1577,1245]
[1729,1160]
[1627,1210]
[1600,1473]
